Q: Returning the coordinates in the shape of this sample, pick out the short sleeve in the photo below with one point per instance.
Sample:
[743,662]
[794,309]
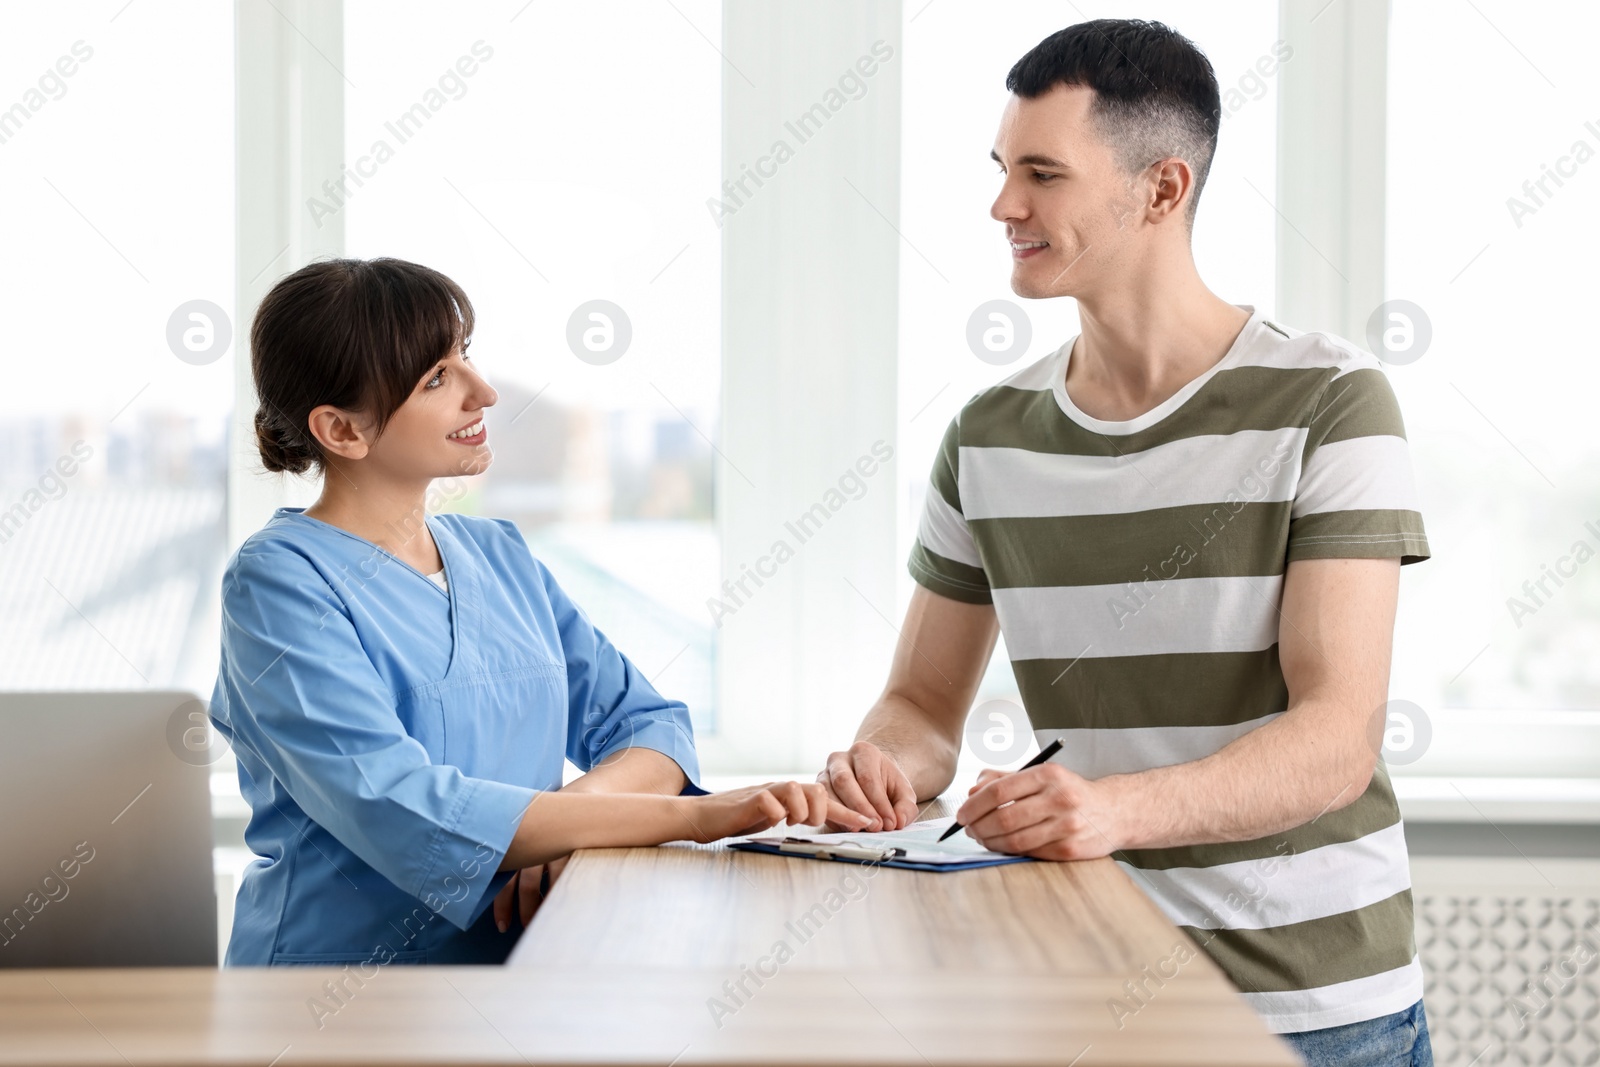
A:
[945,558]
[611,705]
[305,702]
[1357,497]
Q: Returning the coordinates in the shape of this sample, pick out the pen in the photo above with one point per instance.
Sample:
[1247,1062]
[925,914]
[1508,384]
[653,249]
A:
[1044,753]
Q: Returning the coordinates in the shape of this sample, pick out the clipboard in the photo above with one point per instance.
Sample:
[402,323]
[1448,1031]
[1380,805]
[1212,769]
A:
[912,849]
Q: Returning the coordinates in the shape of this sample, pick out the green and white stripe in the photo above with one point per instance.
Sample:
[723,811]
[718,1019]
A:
[1137,568]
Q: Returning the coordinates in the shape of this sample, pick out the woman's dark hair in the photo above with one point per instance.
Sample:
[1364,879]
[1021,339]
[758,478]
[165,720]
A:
[1155,94]
[355,333]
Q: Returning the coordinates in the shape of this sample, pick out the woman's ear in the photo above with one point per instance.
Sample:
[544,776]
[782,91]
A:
[341,433]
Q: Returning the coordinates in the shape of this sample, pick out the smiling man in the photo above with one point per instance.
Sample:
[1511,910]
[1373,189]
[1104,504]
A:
[1188,522]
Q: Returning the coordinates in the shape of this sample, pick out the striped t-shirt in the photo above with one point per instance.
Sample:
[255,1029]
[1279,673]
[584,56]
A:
[1137,568]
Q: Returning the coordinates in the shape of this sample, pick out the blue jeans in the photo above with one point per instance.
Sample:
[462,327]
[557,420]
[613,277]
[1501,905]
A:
[1398,1040]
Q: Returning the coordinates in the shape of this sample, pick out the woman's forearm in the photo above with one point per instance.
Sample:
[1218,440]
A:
[618,802]
[559,822]
[633,770]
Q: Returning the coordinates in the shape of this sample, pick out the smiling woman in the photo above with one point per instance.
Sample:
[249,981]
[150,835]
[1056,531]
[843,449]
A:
[392,732]
[306,355]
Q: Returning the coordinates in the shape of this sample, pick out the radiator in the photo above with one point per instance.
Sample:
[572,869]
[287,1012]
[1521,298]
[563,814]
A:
[1510,948]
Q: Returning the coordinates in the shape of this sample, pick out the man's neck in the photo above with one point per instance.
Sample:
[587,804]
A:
[1137,349]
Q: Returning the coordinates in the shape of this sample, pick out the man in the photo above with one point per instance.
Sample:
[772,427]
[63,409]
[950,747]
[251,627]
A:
[1189,524]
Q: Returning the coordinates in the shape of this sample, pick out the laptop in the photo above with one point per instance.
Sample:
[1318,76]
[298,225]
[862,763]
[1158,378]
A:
[105,830]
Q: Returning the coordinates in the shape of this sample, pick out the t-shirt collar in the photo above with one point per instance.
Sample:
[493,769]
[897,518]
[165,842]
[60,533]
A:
[1058,383]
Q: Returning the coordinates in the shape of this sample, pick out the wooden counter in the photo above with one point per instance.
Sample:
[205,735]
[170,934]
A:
[699,955]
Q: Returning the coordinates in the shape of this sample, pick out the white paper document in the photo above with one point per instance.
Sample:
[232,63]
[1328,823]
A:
[917,843]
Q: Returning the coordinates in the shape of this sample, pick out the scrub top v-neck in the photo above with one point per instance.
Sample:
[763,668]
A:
[391,732]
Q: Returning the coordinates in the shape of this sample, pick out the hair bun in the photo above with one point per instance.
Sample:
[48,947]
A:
[282,448]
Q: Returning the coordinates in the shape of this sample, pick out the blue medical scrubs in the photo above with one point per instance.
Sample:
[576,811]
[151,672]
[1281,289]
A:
[390,735]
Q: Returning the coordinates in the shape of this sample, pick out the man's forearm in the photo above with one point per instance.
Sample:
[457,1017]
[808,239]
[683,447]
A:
[1279,776]
[914,741]
[632,770]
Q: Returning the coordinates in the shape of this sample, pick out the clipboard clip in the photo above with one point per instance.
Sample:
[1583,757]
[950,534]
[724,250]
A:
[840,851]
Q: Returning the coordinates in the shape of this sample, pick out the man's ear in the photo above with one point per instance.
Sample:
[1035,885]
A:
[341,433]
[1173,180]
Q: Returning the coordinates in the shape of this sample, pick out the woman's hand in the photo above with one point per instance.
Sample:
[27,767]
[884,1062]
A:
[525,892]
[760,807]
[564,822]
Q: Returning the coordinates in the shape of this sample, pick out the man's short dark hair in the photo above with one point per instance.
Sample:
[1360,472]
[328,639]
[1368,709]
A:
[1155,93]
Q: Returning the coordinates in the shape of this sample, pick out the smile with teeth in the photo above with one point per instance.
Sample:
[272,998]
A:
[1021,246]
[471,431]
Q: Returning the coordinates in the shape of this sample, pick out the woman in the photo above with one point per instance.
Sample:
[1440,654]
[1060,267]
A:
[400,689]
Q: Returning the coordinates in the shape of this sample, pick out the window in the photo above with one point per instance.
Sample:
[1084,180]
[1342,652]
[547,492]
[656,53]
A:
[555,162]
[116,136]
[1497,632]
